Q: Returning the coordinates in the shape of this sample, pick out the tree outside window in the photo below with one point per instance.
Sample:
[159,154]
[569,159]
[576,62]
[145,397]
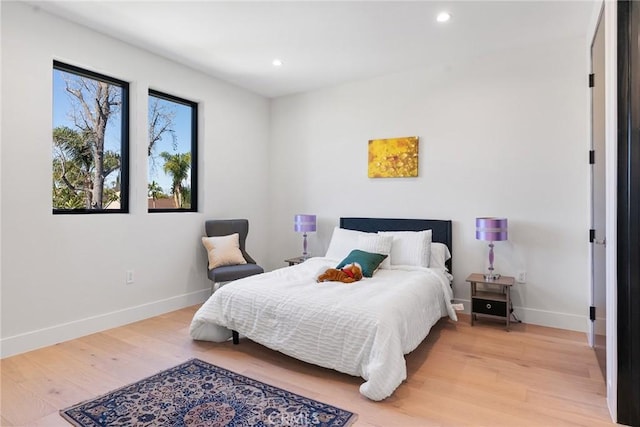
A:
[172,153]
[90,142]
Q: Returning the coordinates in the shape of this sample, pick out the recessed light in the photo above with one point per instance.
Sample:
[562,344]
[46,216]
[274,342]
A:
[443,17]
[276,63]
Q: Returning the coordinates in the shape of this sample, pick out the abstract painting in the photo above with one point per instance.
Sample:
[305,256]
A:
[393,157]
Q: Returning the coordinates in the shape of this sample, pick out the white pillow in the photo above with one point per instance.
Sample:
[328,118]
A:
[410,247]
[343,241]
[377,244]
[440,254]
[223,250]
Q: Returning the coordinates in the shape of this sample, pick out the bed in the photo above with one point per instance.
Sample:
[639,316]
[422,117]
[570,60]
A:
[362,329]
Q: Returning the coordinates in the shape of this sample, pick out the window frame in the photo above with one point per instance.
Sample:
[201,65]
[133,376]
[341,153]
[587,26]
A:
[194,149]
[124,138]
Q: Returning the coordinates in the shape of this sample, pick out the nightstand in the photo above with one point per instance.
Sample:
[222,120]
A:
[495,303]
[296,260]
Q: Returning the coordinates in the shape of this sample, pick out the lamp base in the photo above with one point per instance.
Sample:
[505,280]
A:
[491,276]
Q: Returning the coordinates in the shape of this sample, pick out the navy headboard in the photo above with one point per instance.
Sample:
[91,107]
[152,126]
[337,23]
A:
[441,229]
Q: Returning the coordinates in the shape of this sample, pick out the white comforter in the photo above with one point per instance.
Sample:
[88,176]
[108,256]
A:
[361,329]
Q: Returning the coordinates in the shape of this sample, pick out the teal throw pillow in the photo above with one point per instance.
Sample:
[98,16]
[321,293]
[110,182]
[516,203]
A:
[368,261]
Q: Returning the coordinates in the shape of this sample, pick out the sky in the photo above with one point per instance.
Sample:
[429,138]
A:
[182,125]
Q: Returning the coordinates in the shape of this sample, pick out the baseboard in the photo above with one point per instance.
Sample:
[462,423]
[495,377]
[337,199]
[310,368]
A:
[550,319]
[28,341]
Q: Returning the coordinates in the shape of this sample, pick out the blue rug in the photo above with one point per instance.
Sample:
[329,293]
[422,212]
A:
[197,393]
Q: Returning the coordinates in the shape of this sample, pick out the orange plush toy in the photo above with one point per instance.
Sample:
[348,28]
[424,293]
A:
[348,274]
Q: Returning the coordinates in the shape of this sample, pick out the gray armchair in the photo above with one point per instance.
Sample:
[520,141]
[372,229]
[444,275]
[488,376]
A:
[227,273]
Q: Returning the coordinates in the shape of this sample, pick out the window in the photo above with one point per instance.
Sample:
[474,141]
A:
[90,142]
[172,153]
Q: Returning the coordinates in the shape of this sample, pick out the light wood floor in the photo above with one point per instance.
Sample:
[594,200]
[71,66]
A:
[459,376]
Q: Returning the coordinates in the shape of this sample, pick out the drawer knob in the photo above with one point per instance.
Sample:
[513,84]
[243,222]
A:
[488,306]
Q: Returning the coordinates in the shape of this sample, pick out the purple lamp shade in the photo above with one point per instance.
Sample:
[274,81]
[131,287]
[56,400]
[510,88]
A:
[304,223]
[491,229]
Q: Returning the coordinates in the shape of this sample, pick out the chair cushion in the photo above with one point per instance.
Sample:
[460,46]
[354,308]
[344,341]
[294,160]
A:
[233,272]
[223,250]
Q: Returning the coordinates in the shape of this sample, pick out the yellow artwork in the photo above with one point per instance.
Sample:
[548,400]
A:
[393,157]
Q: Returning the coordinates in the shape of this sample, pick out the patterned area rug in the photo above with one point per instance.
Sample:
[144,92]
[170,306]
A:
[197,393]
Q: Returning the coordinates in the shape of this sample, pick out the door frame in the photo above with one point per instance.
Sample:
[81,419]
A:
[611,149]
[628,250]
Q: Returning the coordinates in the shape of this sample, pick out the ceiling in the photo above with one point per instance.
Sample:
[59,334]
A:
[323,43]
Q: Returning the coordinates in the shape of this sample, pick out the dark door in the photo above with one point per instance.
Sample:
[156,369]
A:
[628,216]
[598,203]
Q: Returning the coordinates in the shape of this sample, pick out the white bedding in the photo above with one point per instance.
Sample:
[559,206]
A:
[361,329]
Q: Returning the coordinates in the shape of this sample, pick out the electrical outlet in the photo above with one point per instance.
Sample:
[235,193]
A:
[522,276]
[130,278]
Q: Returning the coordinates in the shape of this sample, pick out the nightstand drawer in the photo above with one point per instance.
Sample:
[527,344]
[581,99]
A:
[486,306]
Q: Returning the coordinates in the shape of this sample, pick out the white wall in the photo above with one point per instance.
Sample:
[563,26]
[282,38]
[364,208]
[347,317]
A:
[502,135]
[64,276]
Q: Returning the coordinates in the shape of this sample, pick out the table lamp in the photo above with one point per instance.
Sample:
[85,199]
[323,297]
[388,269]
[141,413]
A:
[304,224]
[491,230]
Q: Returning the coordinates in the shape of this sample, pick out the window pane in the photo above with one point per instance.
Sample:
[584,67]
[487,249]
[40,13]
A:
[89,142]
[171,153]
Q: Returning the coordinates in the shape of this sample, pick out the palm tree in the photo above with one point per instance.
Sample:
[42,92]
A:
[178,166]
[154,191]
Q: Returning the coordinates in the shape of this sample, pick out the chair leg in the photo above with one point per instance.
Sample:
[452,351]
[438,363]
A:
[215,286]
[236,337]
